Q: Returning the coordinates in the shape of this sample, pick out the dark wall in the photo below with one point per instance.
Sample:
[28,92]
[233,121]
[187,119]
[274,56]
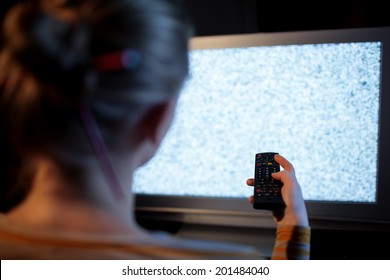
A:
[329,14]
[216,17]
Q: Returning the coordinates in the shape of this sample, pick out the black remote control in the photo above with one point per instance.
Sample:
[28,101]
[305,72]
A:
[267,190]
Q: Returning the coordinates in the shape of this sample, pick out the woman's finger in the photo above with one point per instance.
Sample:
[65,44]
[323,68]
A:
[250,182]
[284,163]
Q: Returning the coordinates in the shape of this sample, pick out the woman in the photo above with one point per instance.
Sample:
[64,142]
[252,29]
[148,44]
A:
[89,90]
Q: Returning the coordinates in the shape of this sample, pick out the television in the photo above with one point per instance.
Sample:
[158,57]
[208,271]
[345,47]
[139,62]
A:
[321,98]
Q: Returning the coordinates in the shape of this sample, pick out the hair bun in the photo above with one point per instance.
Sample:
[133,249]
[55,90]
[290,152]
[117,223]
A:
[52,50]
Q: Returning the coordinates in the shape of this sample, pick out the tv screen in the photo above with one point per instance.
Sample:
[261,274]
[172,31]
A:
[316,97]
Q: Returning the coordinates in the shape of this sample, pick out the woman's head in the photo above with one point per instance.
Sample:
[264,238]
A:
[48,67]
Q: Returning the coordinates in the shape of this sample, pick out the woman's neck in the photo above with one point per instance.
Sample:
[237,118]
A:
[68,202]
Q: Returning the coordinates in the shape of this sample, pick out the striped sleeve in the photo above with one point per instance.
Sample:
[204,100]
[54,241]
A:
[292,243]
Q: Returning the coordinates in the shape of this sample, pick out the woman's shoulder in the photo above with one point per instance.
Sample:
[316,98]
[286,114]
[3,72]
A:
[18,242]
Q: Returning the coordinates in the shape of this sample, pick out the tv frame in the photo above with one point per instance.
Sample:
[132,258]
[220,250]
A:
[238,212]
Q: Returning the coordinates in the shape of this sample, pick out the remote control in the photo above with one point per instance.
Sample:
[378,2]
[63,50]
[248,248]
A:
[267,190]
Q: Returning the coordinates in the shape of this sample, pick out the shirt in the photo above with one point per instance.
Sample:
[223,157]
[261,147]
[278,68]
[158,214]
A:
[21,242]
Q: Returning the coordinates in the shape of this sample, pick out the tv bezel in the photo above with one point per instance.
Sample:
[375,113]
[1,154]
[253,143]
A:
[238,212]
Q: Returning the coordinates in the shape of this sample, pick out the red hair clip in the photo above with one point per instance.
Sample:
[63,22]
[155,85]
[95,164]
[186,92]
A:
[116,61]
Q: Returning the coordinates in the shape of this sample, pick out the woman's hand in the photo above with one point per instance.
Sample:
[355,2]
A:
[294,214]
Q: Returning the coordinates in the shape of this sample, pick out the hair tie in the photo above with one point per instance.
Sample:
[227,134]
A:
[116,61]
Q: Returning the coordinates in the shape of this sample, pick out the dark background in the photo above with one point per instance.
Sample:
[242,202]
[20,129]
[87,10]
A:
[218,17]
[215,17]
